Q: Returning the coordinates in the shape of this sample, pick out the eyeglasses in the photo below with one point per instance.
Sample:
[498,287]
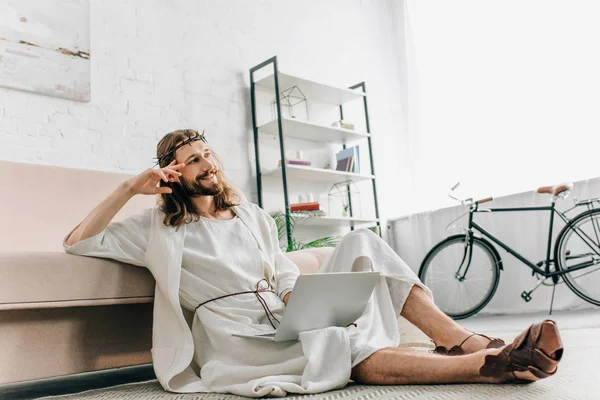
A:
[191,139]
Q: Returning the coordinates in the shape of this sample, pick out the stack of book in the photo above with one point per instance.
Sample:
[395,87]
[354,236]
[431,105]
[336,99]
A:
[295,161]
[312,208]
[348,160]
[316,213]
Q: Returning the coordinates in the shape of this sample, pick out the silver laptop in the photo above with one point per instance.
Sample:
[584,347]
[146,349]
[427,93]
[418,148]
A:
[322,300]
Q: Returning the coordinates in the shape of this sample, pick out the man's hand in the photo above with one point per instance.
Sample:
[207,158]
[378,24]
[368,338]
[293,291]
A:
[286,297]
[145,183]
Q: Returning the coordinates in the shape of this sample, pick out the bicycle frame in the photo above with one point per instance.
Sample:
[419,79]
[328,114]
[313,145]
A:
[543,272]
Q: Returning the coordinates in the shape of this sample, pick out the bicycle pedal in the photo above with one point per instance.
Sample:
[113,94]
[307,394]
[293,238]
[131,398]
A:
[526,296]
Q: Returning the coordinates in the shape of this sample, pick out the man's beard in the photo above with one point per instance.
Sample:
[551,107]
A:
[197,188]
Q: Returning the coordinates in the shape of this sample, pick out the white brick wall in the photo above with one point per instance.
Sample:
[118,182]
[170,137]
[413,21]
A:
[159,65]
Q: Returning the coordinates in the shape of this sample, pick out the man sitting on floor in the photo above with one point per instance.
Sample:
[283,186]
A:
[218,257]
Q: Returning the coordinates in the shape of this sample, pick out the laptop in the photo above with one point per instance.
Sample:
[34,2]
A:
[322,300]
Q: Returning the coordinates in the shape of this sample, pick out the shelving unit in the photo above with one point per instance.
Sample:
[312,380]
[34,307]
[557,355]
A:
[310,131]
[283,127]
[333,221]
[316,91]
[296,172]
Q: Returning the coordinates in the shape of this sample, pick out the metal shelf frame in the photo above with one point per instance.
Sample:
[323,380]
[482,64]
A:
[284,170]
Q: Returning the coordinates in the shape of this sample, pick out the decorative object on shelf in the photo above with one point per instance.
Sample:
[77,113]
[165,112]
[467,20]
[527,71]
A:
[343,124]
[346,212]
[294,244]
[353,154]
[344,199]
[299,160]
[333,161]
[290,98]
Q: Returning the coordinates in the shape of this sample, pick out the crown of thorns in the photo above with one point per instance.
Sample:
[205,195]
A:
[191,139]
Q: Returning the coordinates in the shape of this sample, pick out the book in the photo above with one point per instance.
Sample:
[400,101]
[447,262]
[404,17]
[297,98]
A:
[351,166]
[305,203]
[350,151]
[344,164]
[305,206]
[316,213]
[291,161]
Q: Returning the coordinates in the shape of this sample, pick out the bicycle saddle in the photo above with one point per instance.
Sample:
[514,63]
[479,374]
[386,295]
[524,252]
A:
[556,189]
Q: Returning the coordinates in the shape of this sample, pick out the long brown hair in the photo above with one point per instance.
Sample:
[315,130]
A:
[177,206]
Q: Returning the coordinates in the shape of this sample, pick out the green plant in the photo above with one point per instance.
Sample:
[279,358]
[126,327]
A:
[294,244]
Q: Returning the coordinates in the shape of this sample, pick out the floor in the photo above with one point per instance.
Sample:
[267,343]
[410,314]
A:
[578,377]
[581,319]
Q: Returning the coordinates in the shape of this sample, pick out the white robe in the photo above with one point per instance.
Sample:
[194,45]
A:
[320,361]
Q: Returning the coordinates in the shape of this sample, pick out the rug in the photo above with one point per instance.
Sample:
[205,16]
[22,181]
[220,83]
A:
[578,378]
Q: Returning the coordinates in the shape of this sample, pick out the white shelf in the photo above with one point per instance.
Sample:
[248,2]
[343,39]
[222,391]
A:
[314,91]
[310,131]
[317,174]
[303,220]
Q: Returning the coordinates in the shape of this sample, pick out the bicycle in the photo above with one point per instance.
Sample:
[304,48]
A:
[463,270]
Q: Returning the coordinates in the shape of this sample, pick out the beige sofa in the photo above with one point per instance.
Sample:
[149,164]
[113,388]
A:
[62,314]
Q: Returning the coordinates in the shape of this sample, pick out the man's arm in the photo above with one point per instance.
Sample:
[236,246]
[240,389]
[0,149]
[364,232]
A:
[101,216]
[286,297]
[144,183]
[126,240]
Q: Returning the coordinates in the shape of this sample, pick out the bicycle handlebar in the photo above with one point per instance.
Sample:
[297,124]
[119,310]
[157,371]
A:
[484,200]
[469,201]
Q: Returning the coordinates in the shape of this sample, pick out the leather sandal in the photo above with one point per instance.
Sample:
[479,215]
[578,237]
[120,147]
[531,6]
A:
[457,350]
[538,350]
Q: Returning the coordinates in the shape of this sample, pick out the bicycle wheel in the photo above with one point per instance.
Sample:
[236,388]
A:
[578,245]
[461,298]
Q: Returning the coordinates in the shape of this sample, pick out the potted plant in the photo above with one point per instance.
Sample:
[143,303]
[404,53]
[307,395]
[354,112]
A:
[294,244]
[346,212]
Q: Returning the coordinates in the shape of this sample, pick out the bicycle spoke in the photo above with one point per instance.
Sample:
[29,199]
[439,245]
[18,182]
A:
[587,273]
[579,248]
[455,296]
[595,226]
[580,232]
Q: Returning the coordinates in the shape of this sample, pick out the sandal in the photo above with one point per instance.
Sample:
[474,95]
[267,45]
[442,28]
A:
[537,350]
[457,350]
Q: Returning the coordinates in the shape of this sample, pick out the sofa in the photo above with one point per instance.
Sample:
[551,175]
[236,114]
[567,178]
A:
[62,314]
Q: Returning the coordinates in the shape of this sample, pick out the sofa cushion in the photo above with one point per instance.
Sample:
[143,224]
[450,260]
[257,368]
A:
[32,279]
[310,261]
[49,279]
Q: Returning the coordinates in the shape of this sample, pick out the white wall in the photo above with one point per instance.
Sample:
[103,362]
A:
[507,97]
[160,65]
